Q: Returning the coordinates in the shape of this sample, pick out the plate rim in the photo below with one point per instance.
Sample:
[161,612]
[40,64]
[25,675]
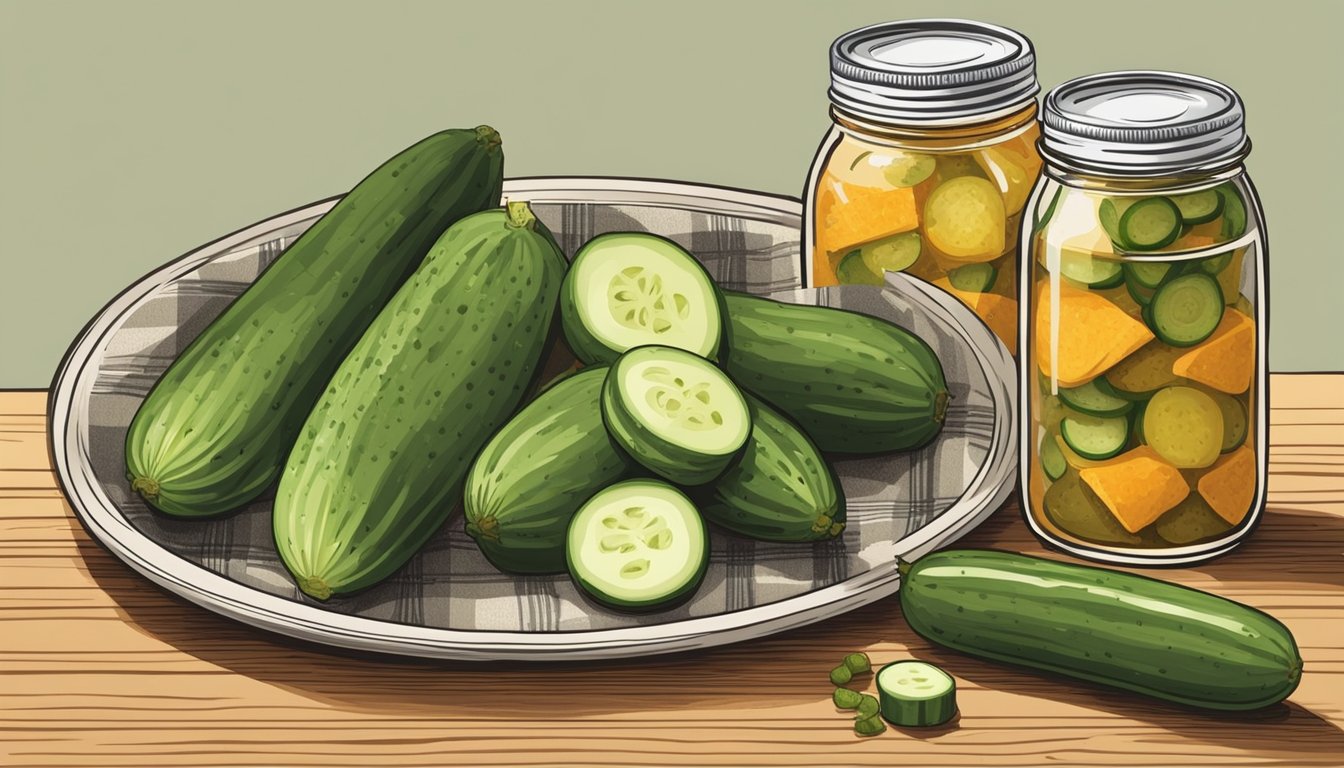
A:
[219,594]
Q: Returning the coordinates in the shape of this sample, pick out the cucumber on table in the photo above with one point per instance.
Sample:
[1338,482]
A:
[537,471]
[916,694]
[853,382]
[781,489]
[638,545]
[675,413]
[631,289]
[214,431]
[384,454]
[1130,632]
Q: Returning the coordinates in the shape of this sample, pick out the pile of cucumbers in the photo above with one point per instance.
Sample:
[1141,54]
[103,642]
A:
[385,369]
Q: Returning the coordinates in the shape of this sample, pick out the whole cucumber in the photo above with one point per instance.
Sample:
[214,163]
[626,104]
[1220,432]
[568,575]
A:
[215,430]
[1131,632]
[537,471]
[383,456]
[854,383]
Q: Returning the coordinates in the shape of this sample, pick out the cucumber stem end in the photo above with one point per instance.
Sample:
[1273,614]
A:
[488,138]
[903,567]
[315,586]
[940,402]
[486,528]
[520,215]
[147,487]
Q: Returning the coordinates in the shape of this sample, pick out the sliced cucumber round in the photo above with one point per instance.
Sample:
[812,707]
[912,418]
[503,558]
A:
[1234,212]
[1215,264]
[629,289]
[1186,309]
[1094,437]
[1052,459]
[675,413]
[1109,212]
[1090,270]
[1149,224]
[915,694]
[637,545]
[973,278]
[1147,274]
[853,270]
[1236,422]
[1185,426]
[1199,207]
[892,254]
[1089,398]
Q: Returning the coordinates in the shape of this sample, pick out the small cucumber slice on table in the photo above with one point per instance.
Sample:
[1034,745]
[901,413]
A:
[1199,207]
[1186,310]
[916,694]
[1149,224]
[675,413]
[628,289]
[1091,399]
[1147,274]
[853,270]
[1052,459]
[1094,437]
[637,545]
[1234,212]
[975,278]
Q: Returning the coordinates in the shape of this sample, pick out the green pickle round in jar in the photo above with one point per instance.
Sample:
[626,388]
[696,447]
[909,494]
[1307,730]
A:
[929,162]
[1144,434]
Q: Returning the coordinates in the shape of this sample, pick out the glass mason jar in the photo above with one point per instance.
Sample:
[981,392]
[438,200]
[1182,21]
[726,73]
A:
[928,164]
[1143,323]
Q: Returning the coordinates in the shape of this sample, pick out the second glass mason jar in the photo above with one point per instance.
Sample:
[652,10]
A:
[928,164]
[1144,433]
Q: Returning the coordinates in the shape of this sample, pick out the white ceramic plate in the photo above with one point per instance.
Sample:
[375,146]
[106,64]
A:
[448,602]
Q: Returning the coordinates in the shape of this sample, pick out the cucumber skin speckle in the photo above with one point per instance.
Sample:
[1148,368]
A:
[1202,650]
[402,498]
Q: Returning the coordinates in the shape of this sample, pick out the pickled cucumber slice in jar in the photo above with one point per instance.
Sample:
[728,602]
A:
[1185,426]
[1190,522]
[965,219]
[1073,508]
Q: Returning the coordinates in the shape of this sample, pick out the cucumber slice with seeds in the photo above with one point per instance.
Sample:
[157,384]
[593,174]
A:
[973,278]
[675,413]
[1199,207]
[637,545]
[1149,224]
[916,694]
[629,289]
[1094,437]
[1090,399]
[1090,270]
[892,254]
[1185,310]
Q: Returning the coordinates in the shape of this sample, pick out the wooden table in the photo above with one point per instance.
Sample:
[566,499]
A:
[98,667]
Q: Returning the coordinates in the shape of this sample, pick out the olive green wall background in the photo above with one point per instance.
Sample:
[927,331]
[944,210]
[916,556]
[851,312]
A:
[131,132]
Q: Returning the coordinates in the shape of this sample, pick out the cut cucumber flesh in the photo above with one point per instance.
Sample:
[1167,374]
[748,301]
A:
[628,289]
[1052,459]
[1090,399]
[1141,295]
[1109,213]
[1234,212]
[1186,310]
[1073,508]
[1092,271]
[907,170]
[914,694]
[675,413]
[637,545]
[974,278]
[1093,437]
[1149,224]
[1199,207]
[853,270]
[1147,274]
[1185,426]
[892,254]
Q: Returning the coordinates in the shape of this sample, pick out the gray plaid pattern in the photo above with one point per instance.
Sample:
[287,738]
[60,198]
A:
[449,584]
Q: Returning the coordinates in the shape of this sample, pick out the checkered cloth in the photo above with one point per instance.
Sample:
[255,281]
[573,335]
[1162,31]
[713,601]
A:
[449,584]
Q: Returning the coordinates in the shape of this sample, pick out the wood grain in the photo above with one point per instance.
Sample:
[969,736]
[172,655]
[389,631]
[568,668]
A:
[98,667]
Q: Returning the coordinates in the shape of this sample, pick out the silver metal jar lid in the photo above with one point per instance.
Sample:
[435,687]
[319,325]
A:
[1143,123]
[932,72]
